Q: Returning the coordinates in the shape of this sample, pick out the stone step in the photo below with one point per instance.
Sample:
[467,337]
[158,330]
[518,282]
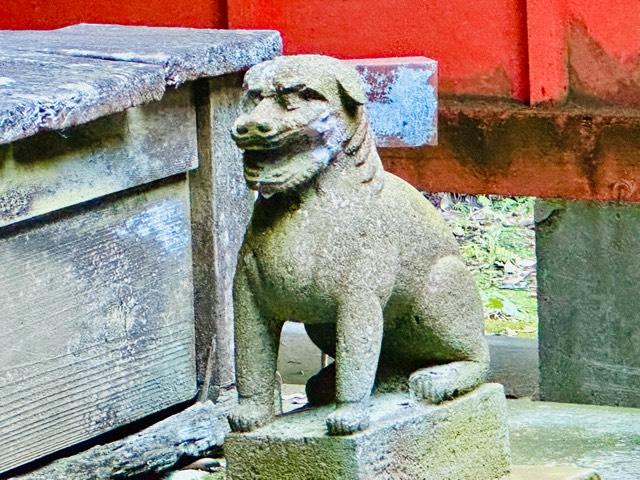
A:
[546,472]
[606,439]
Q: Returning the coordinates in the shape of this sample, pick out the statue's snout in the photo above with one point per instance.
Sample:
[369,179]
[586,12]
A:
[262,128]
[257,124]
[247,126]
[250,133]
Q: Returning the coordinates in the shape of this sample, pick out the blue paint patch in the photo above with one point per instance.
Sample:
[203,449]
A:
[403,106]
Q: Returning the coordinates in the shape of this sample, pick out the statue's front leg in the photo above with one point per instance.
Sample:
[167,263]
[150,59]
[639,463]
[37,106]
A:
[359,327]
[256,350]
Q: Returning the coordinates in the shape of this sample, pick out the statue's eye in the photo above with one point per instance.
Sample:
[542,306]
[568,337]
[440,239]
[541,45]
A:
[311,94]
[250,99]
[254,95]
[286,102]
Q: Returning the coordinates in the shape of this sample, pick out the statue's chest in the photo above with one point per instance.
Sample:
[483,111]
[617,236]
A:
[297,249]
[295,259]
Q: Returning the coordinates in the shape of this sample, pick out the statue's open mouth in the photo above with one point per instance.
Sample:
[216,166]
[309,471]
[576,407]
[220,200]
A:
[274,141]
[272,170]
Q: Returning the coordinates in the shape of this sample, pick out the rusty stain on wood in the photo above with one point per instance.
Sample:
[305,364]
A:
[596,77]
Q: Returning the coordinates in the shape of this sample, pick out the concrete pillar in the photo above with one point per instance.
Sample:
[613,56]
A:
[589,301]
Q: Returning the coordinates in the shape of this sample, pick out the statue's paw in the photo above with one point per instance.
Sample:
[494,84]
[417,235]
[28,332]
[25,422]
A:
[432,386]
[249,416]
[348,419]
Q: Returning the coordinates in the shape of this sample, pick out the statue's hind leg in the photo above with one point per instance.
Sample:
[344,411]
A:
[452,309]
[321,388]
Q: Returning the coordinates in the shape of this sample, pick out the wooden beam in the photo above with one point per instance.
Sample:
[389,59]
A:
[50,171]
[221,206]
[191,434]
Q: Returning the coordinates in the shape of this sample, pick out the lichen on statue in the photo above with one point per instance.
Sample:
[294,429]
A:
[353,252]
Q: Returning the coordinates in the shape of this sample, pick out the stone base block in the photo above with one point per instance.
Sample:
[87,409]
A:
[464,439]
[545,472]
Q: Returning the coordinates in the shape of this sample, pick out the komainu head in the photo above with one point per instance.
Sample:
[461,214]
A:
[299,114]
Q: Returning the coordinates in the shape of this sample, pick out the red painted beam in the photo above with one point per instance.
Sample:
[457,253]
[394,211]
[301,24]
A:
[481,46]
[49,14]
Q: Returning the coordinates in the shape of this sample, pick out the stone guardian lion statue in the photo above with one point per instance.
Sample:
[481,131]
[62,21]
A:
[353,252]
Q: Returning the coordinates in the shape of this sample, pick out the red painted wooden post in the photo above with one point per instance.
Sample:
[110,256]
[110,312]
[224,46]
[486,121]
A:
[548,78]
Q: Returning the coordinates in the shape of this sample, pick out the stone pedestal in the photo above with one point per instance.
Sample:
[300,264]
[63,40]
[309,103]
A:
[466,438]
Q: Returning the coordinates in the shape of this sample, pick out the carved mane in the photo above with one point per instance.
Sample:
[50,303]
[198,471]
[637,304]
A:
[361,147]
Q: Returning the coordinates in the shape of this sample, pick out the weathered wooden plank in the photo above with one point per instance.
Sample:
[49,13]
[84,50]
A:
[185,53]
[51,92]
[55,170]
[220,207]
[111,68]
[97,320]
[193,433]
[402,98]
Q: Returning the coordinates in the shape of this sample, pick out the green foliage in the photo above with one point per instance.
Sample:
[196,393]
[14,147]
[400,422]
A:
[497,241]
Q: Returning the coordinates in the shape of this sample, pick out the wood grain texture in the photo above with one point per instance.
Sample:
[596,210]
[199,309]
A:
[190,434]
[50,171]
[221,206]
[51,80]
[97,320]
[50,92]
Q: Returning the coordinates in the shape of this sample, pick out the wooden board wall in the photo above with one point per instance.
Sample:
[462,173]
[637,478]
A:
[53,170]
[96,318]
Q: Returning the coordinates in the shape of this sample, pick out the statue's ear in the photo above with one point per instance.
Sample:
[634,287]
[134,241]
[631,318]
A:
[351,92]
